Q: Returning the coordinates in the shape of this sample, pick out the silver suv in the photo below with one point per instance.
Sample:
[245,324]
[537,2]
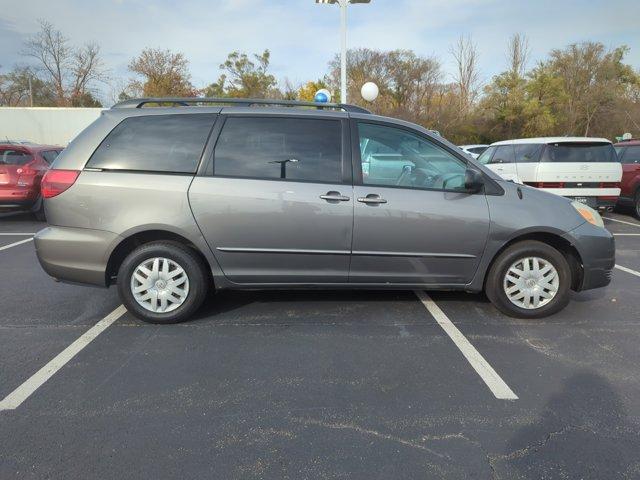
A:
[167,202]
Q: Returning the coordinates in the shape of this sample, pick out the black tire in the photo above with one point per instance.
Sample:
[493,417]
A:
[38,211]
[199,282]
[528,248]
[636,204]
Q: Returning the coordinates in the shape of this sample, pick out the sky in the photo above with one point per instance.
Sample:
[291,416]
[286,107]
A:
[303,36]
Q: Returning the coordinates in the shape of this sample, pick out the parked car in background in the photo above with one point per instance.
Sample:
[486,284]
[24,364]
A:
[22,166]
[584,169]
[474,150]
[260,198]
[629,155]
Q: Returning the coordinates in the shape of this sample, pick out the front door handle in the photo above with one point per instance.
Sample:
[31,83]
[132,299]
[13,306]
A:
[334,197]
[372,199]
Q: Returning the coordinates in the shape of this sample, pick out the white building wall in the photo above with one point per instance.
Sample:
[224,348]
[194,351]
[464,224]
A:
[45,125]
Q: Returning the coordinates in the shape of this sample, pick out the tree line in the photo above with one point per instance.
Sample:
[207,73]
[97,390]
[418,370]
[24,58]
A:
[580,89]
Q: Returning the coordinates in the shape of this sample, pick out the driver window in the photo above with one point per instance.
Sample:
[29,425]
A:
[398,158]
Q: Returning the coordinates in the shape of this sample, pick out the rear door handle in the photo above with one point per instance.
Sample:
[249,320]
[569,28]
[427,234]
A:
[372,199]
[334,197]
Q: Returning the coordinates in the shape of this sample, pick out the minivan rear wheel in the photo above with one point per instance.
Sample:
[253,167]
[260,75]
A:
[162,282]
[530,279]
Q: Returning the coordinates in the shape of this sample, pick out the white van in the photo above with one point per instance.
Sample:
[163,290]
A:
[584,169]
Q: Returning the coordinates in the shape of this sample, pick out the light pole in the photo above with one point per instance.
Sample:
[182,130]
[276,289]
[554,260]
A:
[343,42]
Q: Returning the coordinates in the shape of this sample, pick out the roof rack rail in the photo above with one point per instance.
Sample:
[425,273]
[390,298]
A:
[242,102]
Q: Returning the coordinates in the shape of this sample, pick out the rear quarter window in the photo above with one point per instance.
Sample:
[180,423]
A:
[155,143]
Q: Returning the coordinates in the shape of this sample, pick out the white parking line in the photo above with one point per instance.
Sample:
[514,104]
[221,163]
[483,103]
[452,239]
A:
[17,234]
[24,391]
[15,244]
[626,234]
[497,386]
[622,221]
[628,270]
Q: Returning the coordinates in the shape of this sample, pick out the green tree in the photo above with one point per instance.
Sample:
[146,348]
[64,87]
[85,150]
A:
[307,92]
[15,90]
[593,80]
[244,77]
[408,83]
[503,106]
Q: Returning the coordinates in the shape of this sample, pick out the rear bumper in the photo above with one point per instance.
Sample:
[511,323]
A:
[17,202]
[597,250]
[596,197]
[77,255]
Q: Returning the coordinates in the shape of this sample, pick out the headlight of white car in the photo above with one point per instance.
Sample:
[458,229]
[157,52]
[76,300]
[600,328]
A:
[589,214]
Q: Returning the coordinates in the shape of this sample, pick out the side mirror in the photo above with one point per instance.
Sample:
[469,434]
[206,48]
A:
[473,181]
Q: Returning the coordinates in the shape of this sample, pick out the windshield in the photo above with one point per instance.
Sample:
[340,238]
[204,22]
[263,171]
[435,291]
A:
[579,153]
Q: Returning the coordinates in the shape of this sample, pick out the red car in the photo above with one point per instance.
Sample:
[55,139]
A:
[629,155]
[21,169]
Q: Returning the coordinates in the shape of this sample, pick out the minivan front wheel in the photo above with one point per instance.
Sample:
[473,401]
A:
[162,282]
[530,279]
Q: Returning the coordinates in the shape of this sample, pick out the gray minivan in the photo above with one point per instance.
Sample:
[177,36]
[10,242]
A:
[263,194]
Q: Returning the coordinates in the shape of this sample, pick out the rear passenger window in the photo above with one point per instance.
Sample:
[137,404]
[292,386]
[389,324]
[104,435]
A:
[280,148]
[632,155]
[50,155]
[155,143]
[504,154]
[527,153]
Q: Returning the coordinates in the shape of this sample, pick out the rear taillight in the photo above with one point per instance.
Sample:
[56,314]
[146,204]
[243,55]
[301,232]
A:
[609,185]
[55,182]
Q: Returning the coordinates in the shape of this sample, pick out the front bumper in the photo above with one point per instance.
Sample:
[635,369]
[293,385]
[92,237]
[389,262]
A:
[76,255]
[597,250]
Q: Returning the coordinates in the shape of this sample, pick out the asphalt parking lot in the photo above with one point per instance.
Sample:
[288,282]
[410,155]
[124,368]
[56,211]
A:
[317,384]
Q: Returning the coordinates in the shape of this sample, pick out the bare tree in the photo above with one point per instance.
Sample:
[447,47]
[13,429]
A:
[69,70]
[518,52]
[467,76]
[86,67]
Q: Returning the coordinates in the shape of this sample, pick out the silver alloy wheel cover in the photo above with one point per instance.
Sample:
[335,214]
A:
[531,282]
[159,285]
